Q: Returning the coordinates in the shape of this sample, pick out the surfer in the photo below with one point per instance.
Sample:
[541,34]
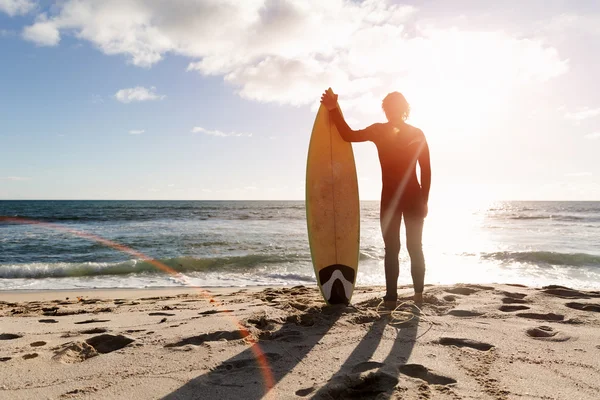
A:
[400,147]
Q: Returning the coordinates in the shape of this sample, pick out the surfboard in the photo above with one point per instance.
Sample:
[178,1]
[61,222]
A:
[332,210]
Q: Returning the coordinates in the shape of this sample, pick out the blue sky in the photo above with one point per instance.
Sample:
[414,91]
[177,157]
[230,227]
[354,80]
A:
[216,99]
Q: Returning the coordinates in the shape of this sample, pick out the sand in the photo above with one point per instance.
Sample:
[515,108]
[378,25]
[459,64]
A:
[467,342]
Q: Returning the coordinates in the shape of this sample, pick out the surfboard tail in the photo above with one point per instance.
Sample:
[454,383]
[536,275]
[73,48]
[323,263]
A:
[337,283]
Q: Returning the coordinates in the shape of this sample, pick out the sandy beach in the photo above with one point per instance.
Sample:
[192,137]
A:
[467,342]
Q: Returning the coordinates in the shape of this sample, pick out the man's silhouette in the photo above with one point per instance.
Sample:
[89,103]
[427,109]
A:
[400,147]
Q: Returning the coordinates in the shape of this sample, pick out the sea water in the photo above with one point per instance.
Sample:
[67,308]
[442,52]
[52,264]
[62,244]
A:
[111,244]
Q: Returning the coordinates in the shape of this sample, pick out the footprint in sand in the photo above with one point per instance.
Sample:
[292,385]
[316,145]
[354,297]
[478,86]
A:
[281,335]
[3,359]
[420,372]
[210,337]
[9,336]
[459,342]
[161,314]
[75,352]
[92,321]
[305,392]
[365,385]
[584,306]
[108,343]
[48,321]
[366,366]
[247,362]
[511,300]
[30,356]
[513,308]
[134,330]
[543,317]
[94,331]
[514,295]
[263,321]
[365,317]
[461,290]
[464,313]
[210,312]
[38,344]
[547,333]
[450,298]
[565,292]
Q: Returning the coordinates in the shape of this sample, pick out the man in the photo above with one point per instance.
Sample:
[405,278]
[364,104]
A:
[400,147]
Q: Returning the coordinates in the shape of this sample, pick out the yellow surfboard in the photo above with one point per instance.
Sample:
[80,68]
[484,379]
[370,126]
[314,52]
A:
[332,210]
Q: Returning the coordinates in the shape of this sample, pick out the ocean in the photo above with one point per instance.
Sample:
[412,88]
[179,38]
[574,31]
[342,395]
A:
[110,244]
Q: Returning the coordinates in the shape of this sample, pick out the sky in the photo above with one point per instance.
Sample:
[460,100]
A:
[215,99]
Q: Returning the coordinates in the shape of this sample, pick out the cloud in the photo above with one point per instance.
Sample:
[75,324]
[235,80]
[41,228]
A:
[578,174]
[16,7]
[275,51]
[42,33]
[595,135]
[198,129]
[138,93]
[136,131]
[583,114]
[15,178]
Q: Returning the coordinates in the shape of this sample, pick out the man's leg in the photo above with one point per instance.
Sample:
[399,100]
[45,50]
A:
[390,228]
[414,236]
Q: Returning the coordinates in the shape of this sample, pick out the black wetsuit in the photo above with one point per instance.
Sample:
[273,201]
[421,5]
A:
[402,195]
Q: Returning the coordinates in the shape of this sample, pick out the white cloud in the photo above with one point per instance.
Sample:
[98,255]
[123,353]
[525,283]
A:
[583,114]
[275,51]
[198,129]
[42,33]
[136,131]
[15,178]
[16,7]
[595,135]
[138,93]
[578,174]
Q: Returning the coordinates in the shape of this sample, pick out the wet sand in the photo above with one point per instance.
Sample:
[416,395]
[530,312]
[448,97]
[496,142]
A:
[466,342]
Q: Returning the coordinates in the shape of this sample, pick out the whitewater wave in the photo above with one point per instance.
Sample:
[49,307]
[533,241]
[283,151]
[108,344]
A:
[545,257]
[177,264]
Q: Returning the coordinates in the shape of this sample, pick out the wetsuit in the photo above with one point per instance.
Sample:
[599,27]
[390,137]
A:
[399,150]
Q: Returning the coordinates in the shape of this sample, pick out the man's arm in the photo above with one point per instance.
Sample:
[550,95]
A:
[346,133]
[425,165]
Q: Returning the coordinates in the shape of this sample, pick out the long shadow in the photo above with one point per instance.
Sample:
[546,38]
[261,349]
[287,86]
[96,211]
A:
[282,350]
[360,358]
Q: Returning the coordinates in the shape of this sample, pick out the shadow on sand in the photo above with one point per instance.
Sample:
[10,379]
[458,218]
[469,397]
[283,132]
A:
[359,376]
[284,349]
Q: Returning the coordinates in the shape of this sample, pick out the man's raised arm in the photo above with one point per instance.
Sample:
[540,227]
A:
[329,100]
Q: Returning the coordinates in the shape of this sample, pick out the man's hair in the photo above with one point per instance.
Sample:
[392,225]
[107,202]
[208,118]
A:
[396,103]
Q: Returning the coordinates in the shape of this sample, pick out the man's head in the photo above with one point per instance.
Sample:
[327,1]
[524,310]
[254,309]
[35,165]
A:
[395,107]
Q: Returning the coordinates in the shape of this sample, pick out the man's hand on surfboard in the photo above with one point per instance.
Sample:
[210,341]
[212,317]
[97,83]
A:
[329,99]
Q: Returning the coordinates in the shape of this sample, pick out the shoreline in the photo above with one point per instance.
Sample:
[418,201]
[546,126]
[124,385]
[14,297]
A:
[467,341]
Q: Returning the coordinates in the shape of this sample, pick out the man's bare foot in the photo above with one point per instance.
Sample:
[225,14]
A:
[418,299]
[390,304]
